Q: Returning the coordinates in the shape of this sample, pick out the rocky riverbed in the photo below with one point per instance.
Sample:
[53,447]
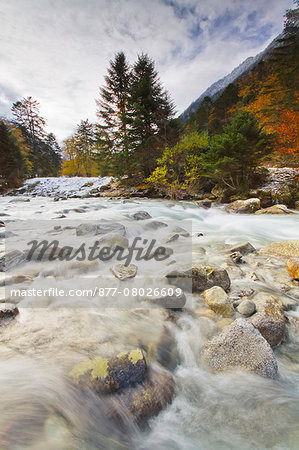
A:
[214,365]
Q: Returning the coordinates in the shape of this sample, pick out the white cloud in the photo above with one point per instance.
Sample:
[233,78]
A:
[58,50]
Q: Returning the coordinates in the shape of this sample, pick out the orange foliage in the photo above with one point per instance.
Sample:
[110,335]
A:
[287,128]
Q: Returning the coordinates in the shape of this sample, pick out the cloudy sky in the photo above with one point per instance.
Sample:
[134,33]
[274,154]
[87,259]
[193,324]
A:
[57,51]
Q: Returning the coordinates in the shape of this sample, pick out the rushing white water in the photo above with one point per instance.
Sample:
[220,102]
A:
[39,408]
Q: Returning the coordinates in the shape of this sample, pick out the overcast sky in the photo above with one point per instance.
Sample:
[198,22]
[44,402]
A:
[57,51]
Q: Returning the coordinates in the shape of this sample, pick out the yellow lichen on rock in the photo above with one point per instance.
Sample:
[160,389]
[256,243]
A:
[135,355]
[97,367]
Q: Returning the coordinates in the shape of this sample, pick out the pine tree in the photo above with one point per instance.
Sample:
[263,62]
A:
[12,165]
[80,151]
[234,155]
[27,116]
[152,110]
[114,114]
[44,150]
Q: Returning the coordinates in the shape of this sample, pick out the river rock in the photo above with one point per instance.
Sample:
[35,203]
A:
[243,206]
[149,398]
[244,248]
[16,279]
[106,375]
[206,204]
[86,229]
[275,209]
[269,318]
[113,240]
[217,299]
[11,259]
[155,225]
[240,346]
[165,351]
[293,268]
[199,279]
[20,200]
[8,311]
[284,248]
[171,238]
[181,231]
[116,227]
[175,301]
[246,308]
[123,272]
[141,215]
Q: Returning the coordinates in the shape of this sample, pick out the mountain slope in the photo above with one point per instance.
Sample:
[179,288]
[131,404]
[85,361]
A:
[215,90]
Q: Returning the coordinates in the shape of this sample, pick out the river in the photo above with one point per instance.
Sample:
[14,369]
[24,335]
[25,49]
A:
[41,409]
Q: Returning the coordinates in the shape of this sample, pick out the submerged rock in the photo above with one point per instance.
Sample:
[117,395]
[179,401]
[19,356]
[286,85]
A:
[243,206]
[149,398]
[11,259]
[269,318]
[198,279]
[86,229]
[113,240]
[244,248]
[181,231]
[217,299]
[293,268]
[116,228]
[106,375]
[123,272]
[275,209]
[240,346]
[175,301]
[8,311]
[141,215]
[155,225]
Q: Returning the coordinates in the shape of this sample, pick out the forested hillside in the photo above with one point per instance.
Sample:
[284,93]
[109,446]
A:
[269,91]
[228,141]
[26,149]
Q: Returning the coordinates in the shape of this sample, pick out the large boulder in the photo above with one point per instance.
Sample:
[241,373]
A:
[284,248]
[293,268]
[240,346]
[275,209]
[217,299]
[244,206]
[269,318]
[106,375]
[198,279]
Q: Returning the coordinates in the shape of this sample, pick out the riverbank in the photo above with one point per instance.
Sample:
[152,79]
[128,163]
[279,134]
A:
[280,187]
